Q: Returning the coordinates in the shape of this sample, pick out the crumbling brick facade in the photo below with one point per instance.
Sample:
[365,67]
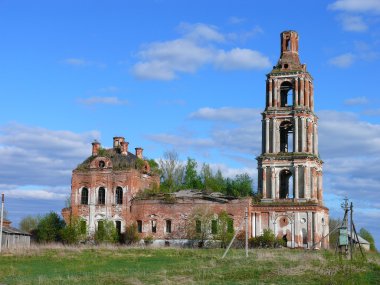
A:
[104,185]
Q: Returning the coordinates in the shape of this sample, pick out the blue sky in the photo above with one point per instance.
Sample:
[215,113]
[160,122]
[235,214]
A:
[183,75]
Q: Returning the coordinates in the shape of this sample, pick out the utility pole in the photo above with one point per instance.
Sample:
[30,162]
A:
[351,227]
[1,221]
[246,232]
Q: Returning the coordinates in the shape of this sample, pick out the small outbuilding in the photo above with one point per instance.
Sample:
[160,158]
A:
[363,243]
[13,238]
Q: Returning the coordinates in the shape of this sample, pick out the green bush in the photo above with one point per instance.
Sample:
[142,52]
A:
[266,240]
[74,232]
[148,240]
[106,232]
[131,234]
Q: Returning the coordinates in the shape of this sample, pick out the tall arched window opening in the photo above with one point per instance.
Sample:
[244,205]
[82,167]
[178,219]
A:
[102,196]
[286,136]
[285,186]
[286,93]
[119,195]
[84,196]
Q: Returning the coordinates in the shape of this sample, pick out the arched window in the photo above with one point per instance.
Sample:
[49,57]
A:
[286,136]
[168,226]
[84,196]
[102,196]
[287,44]
[119,195]
[285,182]
[286,90]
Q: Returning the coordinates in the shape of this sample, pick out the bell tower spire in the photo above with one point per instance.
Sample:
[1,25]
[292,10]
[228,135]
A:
[289,166]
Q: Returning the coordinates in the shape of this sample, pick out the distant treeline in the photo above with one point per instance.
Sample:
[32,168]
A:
[177,176]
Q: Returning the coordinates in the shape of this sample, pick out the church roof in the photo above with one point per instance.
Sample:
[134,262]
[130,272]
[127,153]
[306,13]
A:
[119,161]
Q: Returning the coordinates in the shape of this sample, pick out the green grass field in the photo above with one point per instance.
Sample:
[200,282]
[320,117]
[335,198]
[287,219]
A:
[122,265]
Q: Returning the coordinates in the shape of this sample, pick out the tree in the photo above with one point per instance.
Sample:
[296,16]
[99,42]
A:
[191,178]
[154,167]
[333,237]
[106,232]
[206,176]
[199,225]
[218,182]
[49,228]
[368,237]
[172,171]
[29,223]
[243,184]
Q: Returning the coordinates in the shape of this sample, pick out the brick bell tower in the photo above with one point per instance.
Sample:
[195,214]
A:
[289,167]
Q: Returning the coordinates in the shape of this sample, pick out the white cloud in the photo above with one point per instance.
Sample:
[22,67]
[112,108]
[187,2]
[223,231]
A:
[201,32]
[230,172]
[351,135]
[238,58]
[102,100]
[356,6]
[164,60]
[38,156]
[343,60]
[33,194]
[225,114]
[80,62]
[362,100]
[353,23]
[372,112]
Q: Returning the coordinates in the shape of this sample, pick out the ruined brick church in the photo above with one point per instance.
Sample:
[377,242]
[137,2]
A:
[106,185]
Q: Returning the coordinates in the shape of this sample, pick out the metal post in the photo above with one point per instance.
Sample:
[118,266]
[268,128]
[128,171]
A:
[246,232]
[352,238]
[1,221]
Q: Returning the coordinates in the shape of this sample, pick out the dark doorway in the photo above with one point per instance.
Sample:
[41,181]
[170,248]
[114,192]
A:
[285,239]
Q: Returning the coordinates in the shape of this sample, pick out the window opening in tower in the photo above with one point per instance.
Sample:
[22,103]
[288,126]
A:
[285,180]
[286,94]
[286,137]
